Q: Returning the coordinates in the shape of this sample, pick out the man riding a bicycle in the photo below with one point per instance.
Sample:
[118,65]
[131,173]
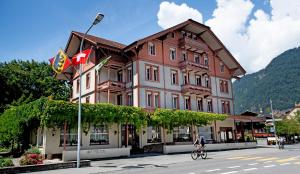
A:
[200,148]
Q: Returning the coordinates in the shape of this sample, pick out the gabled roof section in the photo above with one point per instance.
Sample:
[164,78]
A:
[209,38]
[75,38]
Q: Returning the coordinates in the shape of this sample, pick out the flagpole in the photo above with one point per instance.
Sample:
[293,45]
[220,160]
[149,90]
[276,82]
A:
[98,18]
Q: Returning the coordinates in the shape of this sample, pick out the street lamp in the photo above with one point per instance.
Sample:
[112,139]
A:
[97,19]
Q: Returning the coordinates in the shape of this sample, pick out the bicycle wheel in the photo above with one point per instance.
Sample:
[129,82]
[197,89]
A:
[194,154]
[203,154]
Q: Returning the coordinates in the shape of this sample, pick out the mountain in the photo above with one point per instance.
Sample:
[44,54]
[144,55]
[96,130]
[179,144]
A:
[279,81]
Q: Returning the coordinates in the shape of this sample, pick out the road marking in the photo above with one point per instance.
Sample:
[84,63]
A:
[297,163]
[287,160]
[237,157]
[232,167]
[251,158]
[212,170]
[229,172]
[268,159]
[269,166]
[250,169]
[267,162]
[252,164]
[191,173]
[283,164]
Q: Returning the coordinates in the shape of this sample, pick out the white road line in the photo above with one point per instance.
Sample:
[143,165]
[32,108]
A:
[191,173]
[269,166]
[232,167]
[212,170]
[267,162]
[283,164]
[250,169]
[229,172]
[252,164]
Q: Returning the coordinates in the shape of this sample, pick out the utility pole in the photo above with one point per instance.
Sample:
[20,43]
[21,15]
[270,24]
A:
[274,127]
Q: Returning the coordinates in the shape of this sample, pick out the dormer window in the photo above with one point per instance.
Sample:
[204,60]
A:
[151,49]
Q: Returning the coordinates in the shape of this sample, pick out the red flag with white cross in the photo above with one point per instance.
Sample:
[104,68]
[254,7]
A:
[82,57]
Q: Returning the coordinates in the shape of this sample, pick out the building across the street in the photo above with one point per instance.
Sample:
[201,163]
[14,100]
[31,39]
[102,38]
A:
[183,67]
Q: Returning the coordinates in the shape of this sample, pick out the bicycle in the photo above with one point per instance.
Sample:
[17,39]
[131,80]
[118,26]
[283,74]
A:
[199,151]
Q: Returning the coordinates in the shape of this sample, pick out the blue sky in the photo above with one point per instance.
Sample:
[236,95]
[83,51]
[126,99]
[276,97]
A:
[36,29]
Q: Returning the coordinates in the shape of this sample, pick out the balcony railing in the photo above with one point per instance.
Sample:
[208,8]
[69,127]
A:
[192,44]
[111,85]
[185,64]
[196,89]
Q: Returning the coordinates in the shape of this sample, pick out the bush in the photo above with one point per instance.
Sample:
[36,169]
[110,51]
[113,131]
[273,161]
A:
[4,149]
[33,150]
[6,162]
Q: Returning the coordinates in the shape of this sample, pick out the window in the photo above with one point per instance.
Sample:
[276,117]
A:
[156,100]
[172,53]
[174,77]
[153,134]
[175,102]
[155,74]
[120,76]
[129,100]
[87,80]
[182,134]
[187,103]
[119,99]
[172,35]
[185,79]
[205,59]
[206,132]
[148,73]
[99,135]
[77,85]
[221,86]
[151,49]
[129,75]
[226,86]
[206,82]
[71,136]
[184,55]
[198,80]
[223,107]
[209,106]
[87,99]
[197,58]
[228,107]
[222,67]
[200,104]
[149,99]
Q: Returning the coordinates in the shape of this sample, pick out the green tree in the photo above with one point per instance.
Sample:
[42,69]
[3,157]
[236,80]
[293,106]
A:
[288,127]
[25,81]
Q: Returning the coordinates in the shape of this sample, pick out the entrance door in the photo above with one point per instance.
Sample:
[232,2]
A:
[133,138]
[226,134]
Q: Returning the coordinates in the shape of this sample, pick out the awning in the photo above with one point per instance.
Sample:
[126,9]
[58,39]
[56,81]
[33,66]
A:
[247,118]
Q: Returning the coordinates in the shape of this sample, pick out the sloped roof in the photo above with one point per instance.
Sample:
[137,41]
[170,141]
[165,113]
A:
[99,40]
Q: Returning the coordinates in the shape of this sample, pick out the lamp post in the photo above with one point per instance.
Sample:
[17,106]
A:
[97,19]
[273,120]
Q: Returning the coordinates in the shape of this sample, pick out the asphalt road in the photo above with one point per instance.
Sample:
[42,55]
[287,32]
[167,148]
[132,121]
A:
[248,161]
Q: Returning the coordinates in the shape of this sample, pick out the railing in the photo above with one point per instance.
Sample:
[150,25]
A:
[186,63]
[188,42]
[111,84]
[197,89]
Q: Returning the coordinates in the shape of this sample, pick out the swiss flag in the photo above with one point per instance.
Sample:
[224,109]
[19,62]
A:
[82,57]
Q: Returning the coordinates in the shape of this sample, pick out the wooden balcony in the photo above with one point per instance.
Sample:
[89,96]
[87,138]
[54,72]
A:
[192,45]
[113,86]
[189,65]
[195,89]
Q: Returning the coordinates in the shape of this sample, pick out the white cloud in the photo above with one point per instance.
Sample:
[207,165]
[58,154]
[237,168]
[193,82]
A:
[255,37]
[170,14]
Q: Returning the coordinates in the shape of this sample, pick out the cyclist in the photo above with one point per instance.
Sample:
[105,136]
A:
[200,142]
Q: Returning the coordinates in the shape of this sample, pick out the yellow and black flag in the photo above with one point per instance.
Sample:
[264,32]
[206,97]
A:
[60,62]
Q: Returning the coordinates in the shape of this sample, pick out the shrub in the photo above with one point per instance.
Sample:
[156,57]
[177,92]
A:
[4,149]
[31,159]
[6,162]
[33,150]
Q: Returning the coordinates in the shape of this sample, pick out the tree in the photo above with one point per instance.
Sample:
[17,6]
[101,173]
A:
[288,127]
[25,81]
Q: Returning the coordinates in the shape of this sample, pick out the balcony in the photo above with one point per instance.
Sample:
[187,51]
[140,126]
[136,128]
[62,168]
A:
[192,45]
[189,65]
[196,89]
[113,86]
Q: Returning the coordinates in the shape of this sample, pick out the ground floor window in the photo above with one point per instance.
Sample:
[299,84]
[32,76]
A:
[71,136]
[153,134]
[182,134]
[99,135]
[206,132]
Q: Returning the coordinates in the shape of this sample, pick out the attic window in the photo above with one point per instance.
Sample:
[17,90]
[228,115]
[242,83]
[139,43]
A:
[222,67]
[172,35]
